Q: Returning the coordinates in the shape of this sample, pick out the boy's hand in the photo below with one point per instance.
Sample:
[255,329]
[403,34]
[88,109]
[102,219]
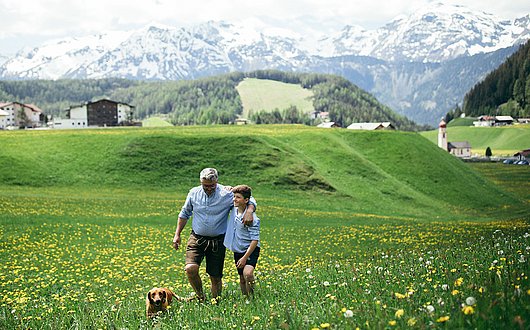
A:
[241,262]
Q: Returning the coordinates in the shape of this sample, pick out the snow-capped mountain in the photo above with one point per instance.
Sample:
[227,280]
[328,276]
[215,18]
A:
[408,53]
[435,33]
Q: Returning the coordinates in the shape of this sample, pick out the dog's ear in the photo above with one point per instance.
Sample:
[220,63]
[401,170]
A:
[149,296]
[169,295]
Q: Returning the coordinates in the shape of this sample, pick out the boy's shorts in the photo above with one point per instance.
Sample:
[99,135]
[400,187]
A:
[252,259]
[212,248]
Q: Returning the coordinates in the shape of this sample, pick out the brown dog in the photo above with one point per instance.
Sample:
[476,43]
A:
[158,299]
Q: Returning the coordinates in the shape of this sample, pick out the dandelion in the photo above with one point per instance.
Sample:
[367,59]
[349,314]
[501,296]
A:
[411,322]
[400,296]
[399,313]
[430,308]
[392,323]
[468,310]
[454,292]
[325,325]
[445,287]
[443,319]
[459,281]
[348,313]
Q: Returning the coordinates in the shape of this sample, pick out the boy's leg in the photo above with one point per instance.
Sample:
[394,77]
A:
[248,275]
[243,285]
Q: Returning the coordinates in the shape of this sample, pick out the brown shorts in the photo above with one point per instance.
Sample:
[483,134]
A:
[210,247]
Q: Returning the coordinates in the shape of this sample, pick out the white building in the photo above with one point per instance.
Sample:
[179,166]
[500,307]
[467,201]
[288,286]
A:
[102,113]
[372,126]
[3,119]
[20,115]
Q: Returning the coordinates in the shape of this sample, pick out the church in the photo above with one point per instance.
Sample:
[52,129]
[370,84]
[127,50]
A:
[460,149]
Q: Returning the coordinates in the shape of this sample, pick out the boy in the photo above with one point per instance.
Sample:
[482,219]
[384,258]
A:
[243,240]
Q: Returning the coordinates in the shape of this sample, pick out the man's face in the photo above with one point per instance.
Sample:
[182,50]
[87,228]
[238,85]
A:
[208,186]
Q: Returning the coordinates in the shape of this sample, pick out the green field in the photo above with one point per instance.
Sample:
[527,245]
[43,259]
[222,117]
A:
[268,95]
[359,229]
[503,141]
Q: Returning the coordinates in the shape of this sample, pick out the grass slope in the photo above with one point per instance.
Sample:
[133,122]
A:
[505,140]
[262,94]
[395,174]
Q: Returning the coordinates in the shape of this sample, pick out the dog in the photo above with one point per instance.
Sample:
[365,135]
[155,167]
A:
[158,300]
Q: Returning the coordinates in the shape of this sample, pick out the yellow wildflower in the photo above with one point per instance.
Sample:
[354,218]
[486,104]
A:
[392,323]
[325,325]
[468,310]
[399,313]
[411,322]
[443,319]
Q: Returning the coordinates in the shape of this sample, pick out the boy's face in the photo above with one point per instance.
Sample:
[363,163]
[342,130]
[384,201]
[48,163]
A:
[239,200]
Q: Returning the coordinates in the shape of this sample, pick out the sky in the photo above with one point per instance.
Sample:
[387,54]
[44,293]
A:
[29,23]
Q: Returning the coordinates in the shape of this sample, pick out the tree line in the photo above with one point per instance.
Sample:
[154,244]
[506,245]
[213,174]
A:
[212,100]
[504,91]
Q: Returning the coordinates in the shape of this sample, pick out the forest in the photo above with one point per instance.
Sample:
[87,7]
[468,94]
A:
[212,100]
[504,91]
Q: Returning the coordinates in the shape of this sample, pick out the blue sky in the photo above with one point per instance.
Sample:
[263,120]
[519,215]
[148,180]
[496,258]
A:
[28,23]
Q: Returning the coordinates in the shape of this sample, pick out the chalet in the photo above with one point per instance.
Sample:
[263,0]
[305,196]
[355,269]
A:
[242,121]
[503,120]
[522,155]
[328,124]
[484,121]
[101,113]
[372,126]
[20,115]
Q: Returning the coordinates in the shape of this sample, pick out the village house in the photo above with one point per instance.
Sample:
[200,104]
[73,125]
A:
[488,121]
[101,113]
[19,115]
[3,119]
[522,155]
[328,124]
[372,126]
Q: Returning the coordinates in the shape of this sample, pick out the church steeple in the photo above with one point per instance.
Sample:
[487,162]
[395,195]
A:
[442,135]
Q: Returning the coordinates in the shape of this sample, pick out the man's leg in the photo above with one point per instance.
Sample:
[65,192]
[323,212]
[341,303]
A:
[217,286]
[192,270]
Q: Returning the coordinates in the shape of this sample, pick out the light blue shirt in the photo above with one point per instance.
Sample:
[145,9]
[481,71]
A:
[210,213]
[238,236]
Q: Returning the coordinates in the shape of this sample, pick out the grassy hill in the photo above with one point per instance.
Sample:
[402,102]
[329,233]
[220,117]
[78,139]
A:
[505,140]
[263,94]
[379,174]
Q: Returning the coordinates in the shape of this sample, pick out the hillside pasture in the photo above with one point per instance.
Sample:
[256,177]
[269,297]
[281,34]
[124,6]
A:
[503,141]
[267,95]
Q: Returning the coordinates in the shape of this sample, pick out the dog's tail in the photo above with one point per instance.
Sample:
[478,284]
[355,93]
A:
[180,298]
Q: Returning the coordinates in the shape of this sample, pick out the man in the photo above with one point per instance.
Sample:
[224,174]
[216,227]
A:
[210,203]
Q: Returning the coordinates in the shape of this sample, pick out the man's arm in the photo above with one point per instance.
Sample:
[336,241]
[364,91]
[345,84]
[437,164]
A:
[248,218]
[180,226]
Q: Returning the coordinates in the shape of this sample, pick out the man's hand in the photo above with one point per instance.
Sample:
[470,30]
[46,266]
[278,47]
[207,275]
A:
[248,218]
[176,241]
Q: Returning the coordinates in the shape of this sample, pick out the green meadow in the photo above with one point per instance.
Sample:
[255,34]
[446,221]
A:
[368,230]
[268,95]
[503,141]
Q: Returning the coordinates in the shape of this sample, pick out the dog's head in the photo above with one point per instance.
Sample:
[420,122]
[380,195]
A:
[158,296]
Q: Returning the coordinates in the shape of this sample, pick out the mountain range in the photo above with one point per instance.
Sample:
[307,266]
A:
[420,65]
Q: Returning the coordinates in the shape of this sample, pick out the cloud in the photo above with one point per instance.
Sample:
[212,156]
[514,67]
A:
[26,19]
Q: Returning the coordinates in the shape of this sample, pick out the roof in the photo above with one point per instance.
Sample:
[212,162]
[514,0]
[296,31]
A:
[504,118]
[371,126]
[327,124]
[459,145]
[525,153]
[32,107]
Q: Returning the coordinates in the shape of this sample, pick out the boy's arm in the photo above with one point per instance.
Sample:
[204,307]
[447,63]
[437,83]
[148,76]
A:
[243,261]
